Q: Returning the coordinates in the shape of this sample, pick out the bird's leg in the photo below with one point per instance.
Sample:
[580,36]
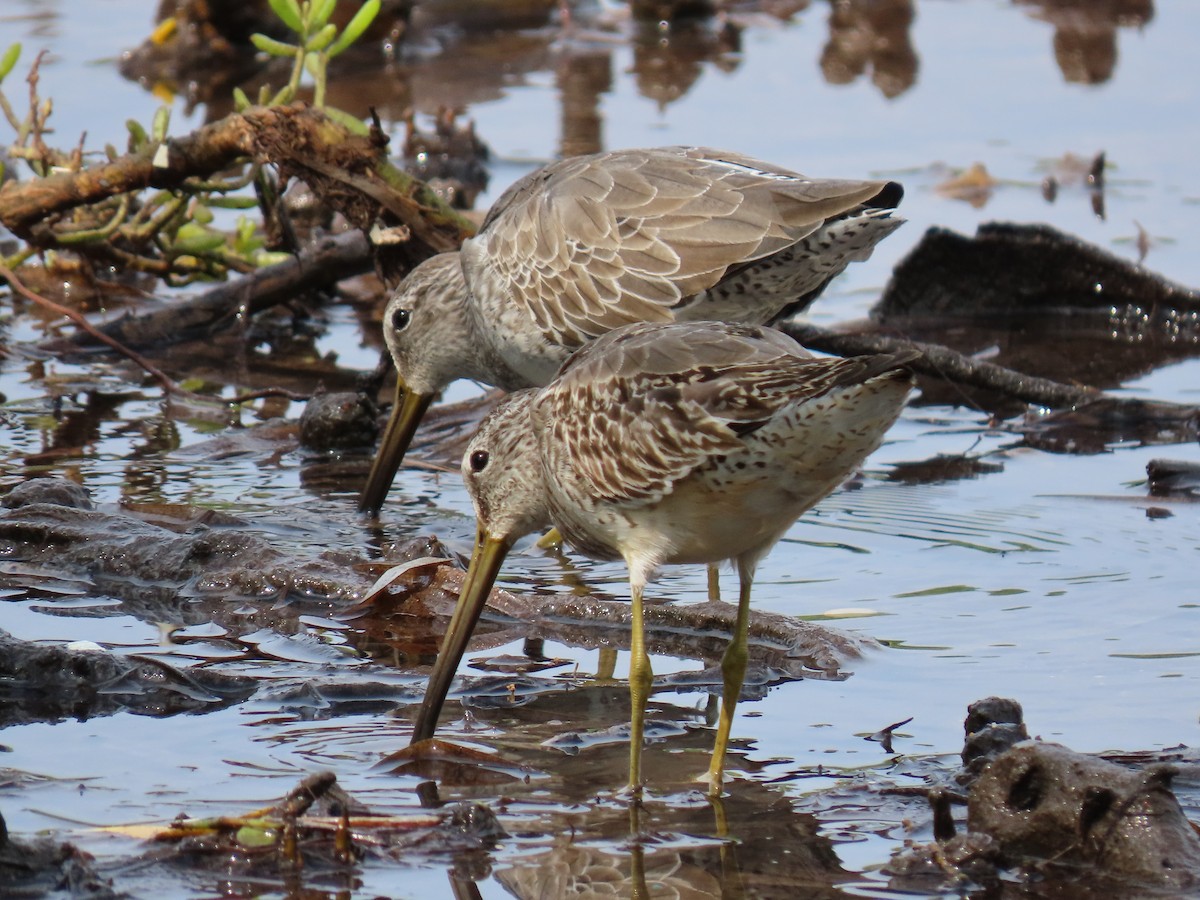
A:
[638,889]
[714,582]
[640,678]
[733,668]
[731,870]
[720,820]
[606,664]
[551,540]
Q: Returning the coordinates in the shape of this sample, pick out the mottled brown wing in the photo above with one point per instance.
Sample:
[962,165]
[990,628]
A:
[592,243]
[641,408]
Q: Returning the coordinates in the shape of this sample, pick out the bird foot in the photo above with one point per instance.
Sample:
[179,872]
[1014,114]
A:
[712,786]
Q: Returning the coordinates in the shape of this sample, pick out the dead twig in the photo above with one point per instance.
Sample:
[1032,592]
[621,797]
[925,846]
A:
[325,264]
[942,362]
[295,137]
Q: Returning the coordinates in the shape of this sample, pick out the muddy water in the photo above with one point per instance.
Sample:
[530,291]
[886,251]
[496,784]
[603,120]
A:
[1044,579]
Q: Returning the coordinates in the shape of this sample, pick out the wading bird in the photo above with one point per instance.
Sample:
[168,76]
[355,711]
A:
[683,443]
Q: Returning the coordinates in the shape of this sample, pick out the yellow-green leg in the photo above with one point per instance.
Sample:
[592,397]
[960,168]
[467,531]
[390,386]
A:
[732,884]
[551,540]
[640,678]
[638,889]
[714,582]
[733,668]
[606,664]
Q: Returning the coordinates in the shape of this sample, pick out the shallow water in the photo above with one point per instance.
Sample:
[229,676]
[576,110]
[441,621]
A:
[1045,580]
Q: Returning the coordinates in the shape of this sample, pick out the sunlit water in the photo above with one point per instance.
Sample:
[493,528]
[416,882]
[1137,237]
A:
[1046,581]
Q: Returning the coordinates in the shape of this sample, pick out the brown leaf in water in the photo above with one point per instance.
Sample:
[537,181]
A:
[974,185]
[395,585]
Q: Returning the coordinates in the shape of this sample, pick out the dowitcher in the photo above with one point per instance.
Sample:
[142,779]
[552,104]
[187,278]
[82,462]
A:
[590,243]
[684,443]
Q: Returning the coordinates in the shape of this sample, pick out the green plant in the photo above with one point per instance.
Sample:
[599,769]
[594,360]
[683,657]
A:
[318,41]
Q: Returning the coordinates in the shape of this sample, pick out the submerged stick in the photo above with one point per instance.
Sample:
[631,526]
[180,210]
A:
[333,259]
[939,361]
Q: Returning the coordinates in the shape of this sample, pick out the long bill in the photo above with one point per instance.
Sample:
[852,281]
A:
[407,410]
[485,564]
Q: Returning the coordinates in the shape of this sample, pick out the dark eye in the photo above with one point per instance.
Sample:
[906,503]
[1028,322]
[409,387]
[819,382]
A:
[479,460]
[400,319]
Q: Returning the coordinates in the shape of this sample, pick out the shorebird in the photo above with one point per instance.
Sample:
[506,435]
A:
[590,243]
[684,443]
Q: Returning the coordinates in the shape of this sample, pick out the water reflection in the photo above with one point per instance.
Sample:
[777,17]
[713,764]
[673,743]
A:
[583,77]
[667,61]
[454,55]
[871,36]
[751,843]
[1085,33]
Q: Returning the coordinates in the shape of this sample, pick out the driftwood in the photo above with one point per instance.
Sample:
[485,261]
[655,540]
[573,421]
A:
[942,362]
[329,261]
[348,172]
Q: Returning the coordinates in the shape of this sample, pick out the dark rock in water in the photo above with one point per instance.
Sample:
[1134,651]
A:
[657,11]
[1173,477]
[40,683]
[46,868]
[992,726]
[338,421]
[1082,826]
[57,491]
[1043,802]
[1008,267]
[155,568]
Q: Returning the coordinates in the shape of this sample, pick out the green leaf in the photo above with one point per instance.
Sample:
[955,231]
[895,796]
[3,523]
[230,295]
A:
[321,13]
[233,202]
[321,39]
[271,258]
[246,239]
[362,20]
[158,127]
[193,238]
[273,47]
[202,214]
[240,101]
[350,123]
[9,59]
[249,249]
[289,13]
[137,134]
[256,836]
[285,95]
